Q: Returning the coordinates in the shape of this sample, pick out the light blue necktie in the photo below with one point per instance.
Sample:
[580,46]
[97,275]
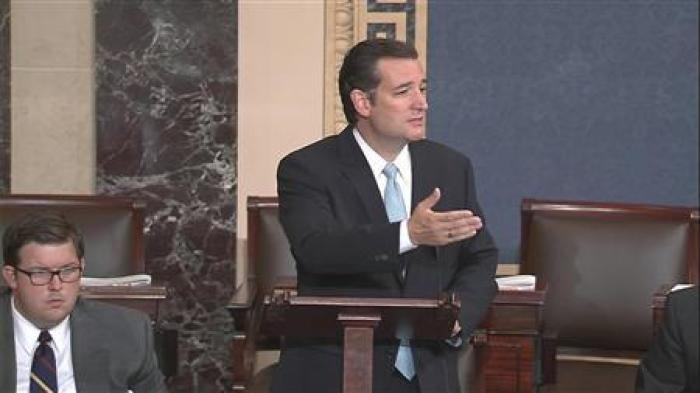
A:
[396,211]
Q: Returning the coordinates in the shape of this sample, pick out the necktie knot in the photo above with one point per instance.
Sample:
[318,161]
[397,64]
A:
[44,337]
[390,171]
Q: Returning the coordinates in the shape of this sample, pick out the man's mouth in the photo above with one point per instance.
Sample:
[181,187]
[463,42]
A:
[55,302]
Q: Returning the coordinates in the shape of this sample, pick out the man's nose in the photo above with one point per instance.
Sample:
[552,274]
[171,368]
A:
[55,283]
[421,101]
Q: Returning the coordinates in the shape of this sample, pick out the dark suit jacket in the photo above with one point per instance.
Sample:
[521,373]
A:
[344,245]
[112,349]
[671,365]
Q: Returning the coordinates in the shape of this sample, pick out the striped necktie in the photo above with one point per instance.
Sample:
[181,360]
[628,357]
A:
[396,211]
[43,375]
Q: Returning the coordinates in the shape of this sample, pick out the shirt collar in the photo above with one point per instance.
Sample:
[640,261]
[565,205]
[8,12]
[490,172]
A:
[377,163]
[27,334]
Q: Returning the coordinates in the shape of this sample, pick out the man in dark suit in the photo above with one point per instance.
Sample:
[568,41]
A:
[52,340]
[338,206]
[671,364]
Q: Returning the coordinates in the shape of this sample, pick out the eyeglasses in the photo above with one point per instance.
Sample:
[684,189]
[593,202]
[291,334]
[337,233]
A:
[43,277]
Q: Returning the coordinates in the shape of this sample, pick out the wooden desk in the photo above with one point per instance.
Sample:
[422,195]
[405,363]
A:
[507,343]
[144,298]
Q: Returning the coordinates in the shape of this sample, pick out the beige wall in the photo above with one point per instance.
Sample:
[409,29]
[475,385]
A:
[280,92]
[52,97]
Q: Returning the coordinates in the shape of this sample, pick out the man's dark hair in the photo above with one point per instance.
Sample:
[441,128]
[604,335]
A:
[41,228]
[359,69]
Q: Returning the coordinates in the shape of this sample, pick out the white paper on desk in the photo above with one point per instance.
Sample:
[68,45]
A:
[521,282]
[129,281]
[681,286]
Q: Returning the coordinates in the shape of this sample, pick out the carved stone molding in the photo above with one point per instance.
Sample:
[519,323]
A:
[351,21]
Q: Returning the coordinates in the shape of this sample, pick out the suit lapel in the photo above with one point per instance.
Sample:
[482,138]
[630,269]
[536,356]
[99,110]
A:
[423,174]
[90,356]
[354,167]
[8,369]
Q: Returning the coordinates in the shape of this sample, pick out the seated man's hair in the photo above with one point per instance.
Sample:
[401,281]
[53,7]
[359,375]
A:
[41,228]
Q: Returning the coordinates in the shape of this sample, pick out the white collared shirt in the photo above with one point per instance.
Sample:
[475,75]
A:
[26,335]
[404,180]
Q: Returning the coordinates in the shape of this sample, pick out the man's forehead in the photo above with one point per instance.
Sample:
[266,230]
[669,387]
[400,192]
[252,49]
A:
[34,250]
[398,71]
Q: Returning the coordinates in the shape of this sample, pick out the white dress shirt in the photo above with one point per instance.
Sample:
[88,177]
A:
[404,179]
[26,335]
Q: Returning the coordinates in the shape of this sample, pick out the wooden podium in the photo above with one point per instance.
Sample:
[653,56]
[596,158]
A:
[509,349]
[357,321]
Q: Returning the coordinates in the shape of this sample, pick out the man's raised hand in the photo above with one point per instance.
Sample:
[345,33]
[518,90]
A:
[428,227]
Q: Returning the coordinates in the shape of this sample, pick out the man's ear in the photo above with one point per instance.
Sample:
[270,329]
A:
[361,102]
[10,276]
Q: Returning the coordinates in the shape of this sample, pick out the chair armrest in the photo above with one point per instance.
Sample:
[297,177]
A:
[658,306]
[241,304]
[549,356]
[247,314]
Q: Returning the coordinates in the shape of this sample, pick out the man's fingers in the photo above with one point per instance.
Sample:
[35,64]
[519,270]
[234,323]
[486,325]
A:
[461,233]
[428,227]
[462,229]
[453,215]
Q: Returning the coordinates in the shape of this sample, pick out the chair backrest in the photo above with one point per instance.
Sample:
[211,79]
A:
[269,254]
[112,227]
[603,262]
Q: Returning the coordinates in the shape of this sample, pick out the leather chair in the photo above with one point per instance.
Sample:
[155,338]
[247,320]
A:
[113,231]
[603,262]
[112,227]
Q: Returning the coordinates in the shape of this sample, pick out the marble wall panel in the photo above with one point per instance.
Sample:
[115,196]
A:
[4,96]
[166,133]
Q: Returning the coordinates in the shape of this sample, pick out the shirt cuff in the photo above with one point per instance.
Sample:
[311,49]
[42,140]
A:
[405,243]
[454,341]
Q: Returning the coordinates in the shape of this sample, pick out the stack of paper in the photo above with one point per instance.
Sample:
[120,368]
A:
[131,280]
[680,286]
[523,282]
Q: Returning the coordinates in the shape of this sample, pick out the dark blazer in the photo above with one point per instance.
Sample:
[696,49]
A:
[112,349]
[671,365]
[344,245]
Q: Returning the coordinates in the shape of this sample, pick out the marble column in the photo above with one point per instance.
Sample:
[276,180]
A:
[4,96]
[166,133]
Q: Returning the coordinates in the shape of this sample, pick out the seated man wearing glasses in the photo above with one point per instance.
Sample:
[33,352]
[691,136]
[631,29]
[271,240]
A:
[50,339]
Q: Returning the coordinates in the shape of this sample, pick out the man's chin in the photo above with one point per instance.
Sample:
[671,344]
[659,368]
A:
[56,312]
[417,135]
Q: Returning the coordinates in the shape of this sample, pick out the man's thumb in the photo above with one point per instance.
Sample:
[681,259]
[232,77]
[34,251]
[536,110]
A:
[431,200]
